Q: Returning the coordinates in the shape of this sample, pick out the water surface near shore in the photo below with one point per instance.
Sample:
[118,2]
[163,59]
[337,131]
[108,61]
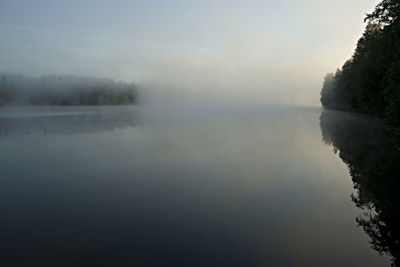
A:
[128,186]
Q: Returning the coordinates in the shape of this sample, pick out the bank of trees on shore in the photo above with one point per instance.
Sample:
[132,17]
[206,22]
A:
[64,90]
[369,82]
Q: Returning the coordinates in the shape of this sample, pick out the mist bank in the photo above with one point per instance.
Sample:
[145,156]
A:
[369,82]
[64,90]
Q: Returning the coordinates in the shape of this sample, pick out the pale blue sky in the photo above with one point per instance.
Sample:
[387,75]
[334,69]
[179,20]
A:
[278,49]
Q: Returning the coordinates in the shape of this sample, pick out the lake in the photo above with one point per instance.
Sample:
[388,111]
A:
[192,186]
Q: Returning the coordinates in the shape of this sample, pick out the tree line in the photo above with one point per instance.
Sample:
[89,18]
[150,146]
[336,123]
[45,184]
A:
[64,90]
[369,82]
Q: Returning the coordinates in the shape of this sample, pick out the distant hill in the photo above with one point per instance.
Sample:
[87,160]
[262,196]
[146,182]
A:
[64,90]
[369,82]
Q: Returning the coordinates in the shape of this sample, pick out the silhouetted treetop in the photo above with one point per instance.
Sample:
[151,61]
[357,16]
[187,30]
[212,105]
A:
[386,12]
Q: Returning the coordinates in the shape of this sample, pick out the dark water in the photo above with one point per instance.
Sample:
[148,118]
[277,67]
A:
[133,186]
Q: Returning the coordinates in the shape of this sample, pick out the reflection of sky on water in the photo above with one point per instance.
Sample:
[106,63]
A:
[16,121]
[237,189]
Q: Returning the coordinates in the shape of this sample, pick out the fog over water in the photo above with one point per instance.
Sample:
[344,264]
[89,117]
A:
[245,50]
[226,158]
[174,186]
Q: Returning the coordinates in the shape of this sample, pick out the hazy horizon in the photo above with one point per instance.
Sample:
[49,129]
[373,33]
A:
[261,51]
[199,133]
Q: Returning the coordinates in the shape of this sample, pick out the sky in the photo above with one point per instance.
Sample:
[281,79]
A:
[253,50]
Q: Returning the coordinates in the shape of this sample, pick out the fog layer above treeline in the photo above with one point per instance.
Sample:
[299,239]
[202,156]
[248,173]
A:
[64,90]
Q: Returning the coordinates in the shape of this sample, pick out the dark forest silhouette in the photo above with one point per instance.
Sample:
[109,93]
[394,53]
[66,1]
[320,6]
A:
[369,82]
[371,152]
[64,90]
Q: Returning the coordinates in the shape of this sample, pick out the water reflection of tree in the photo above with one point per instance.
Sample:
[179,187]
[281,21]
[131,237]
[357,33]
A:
[89,122]
[372,153]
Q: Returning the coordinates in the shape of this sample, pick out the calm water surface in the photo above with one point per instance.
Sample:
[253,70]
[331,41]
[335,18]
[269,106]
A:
[136,186]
